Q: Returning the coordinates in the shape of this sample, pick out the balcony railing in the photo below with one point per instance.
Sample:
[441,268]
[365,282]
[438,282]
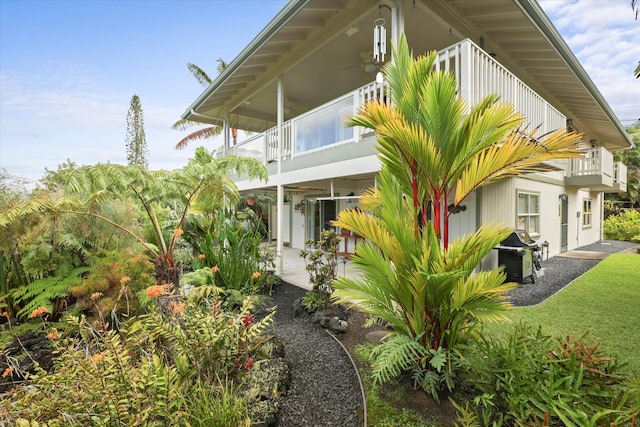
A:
[619,176]
[597,171]
[477,74]
[596,161]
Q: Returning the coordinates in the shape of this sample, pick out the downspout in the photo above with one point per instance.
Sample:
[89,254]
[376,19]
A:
[225,127]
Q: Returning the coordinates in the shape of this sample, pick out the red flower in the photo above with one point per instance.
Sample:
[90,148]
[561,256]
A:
[248,364]
[248,320]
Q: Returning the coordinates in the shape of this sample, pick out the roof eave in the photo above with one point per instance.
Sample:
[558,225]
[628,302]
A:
[289,10]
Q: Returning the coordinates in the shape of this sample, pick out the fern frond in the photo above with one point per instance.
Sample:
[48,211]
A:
[44,292]
[396,355]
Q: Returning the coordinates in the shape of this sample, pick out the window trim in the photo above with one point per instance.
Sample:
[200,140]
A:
[528,214]
[587,213]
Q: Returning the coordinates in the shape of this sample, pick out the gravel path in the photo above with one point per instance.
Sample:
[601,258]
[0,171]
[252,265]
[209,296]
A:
[324,388]
[560,271]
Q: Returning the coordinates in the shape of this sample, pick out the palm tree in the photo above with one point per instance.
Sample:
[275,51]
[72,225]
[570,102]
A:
[182,124]
[434,152]
[440,152]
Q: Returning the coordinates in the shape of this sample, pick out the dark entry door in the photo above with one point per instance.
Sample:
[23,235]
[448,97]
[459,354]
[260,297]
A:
[325,212]
[564,222]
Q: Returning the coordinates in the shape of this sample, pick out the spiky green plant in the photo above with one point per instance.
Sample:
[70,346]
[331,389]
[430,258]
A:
[430,297]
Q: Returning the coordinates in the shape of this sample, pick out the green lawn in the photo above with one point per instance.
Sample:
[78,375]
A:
[604,302]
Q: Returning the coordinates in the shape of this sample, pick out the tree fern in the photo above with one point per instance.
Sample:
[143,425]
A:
[47,291]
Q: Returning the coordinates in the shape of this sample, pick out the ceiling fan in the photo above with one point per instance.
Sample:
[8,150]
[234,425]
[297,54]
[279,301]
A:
[367,64]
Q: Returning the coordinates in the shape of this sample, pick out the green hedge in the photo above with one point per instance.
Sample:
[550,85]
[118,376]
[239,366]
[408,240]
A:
[624,226]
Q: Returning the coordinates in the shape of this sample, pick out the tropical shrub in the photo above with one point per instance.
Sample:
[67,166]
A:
[180,364]
[528,378]
[202,184]
[431,297]
[435,150]
[51,292]
[623,226]
[321,262]
[115,287]
[229,242]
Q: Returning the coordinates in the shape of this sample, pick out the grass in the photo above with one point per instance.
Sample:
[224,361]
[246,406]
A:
[604,304]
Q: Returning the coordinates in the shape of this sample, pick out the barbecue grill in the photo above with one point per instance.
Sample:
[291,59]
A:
[515,253]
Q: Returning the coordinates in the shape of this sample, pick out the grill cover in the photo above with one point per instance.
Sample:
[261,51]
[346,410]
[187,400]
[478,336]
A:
[519,239]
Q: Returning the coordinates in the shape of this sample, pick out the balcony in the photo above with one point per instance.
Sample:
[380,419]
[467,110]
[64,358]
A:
[619,178]
[597,171]
[322,129]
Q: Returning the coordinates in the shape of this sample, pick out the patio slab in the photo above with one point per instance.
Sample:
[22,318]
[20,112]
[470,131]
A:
[583,254]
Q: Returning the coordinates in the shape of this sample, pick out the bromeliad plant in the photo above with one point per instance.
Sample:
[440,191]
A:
[434,150]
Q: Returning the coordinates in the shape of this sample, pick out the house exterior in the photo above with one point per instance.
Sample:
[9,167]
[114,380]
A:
[312,66]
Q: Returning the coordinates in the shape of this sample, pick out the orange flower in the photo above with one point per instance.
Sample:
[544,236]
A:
[256,275]
[125,279]
[215,269]
[97,358]
[40,311]
[202,256]
[177,307]
[53,335]
[178,232]
[96,295]
[7,372]
[157,290]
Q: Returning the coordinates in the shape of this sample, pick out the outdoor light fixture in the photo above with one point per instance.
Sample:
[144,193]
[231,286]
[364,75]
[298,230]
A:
[379,77]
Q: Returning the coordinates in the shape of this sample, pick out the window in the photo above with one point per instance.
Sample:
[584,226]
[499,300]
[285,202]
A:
[324,126]
[586,213]
[529,212]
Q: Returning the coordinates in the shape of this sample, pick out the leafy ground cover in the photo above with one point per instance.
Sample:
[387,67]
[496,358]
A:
[603,303]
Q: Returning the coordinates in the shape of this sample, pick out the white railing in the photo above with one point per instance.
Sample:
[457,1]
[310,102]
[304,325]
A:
[596,161]
[477,73]
[620,173]
[271,141]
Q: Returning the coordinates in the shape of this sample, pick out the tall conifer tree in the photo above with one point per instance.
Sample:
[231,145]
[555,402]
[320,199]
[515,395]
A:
[137,151]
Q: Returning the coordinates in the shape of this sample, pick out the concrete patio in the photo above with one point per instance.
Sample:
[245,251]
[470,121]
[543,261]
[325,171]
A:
[293,268]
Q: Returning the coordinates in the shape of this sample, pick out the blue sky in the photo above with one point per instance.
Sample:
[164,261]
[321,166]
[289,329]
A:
[68,69]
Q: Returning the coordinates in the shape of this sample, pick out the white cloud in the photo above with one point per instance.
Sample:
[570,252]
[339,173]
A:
[605,37]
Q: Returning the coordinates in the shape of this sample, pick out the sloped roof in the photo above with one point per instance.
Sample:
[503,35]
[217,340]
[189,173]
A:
[319,49]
